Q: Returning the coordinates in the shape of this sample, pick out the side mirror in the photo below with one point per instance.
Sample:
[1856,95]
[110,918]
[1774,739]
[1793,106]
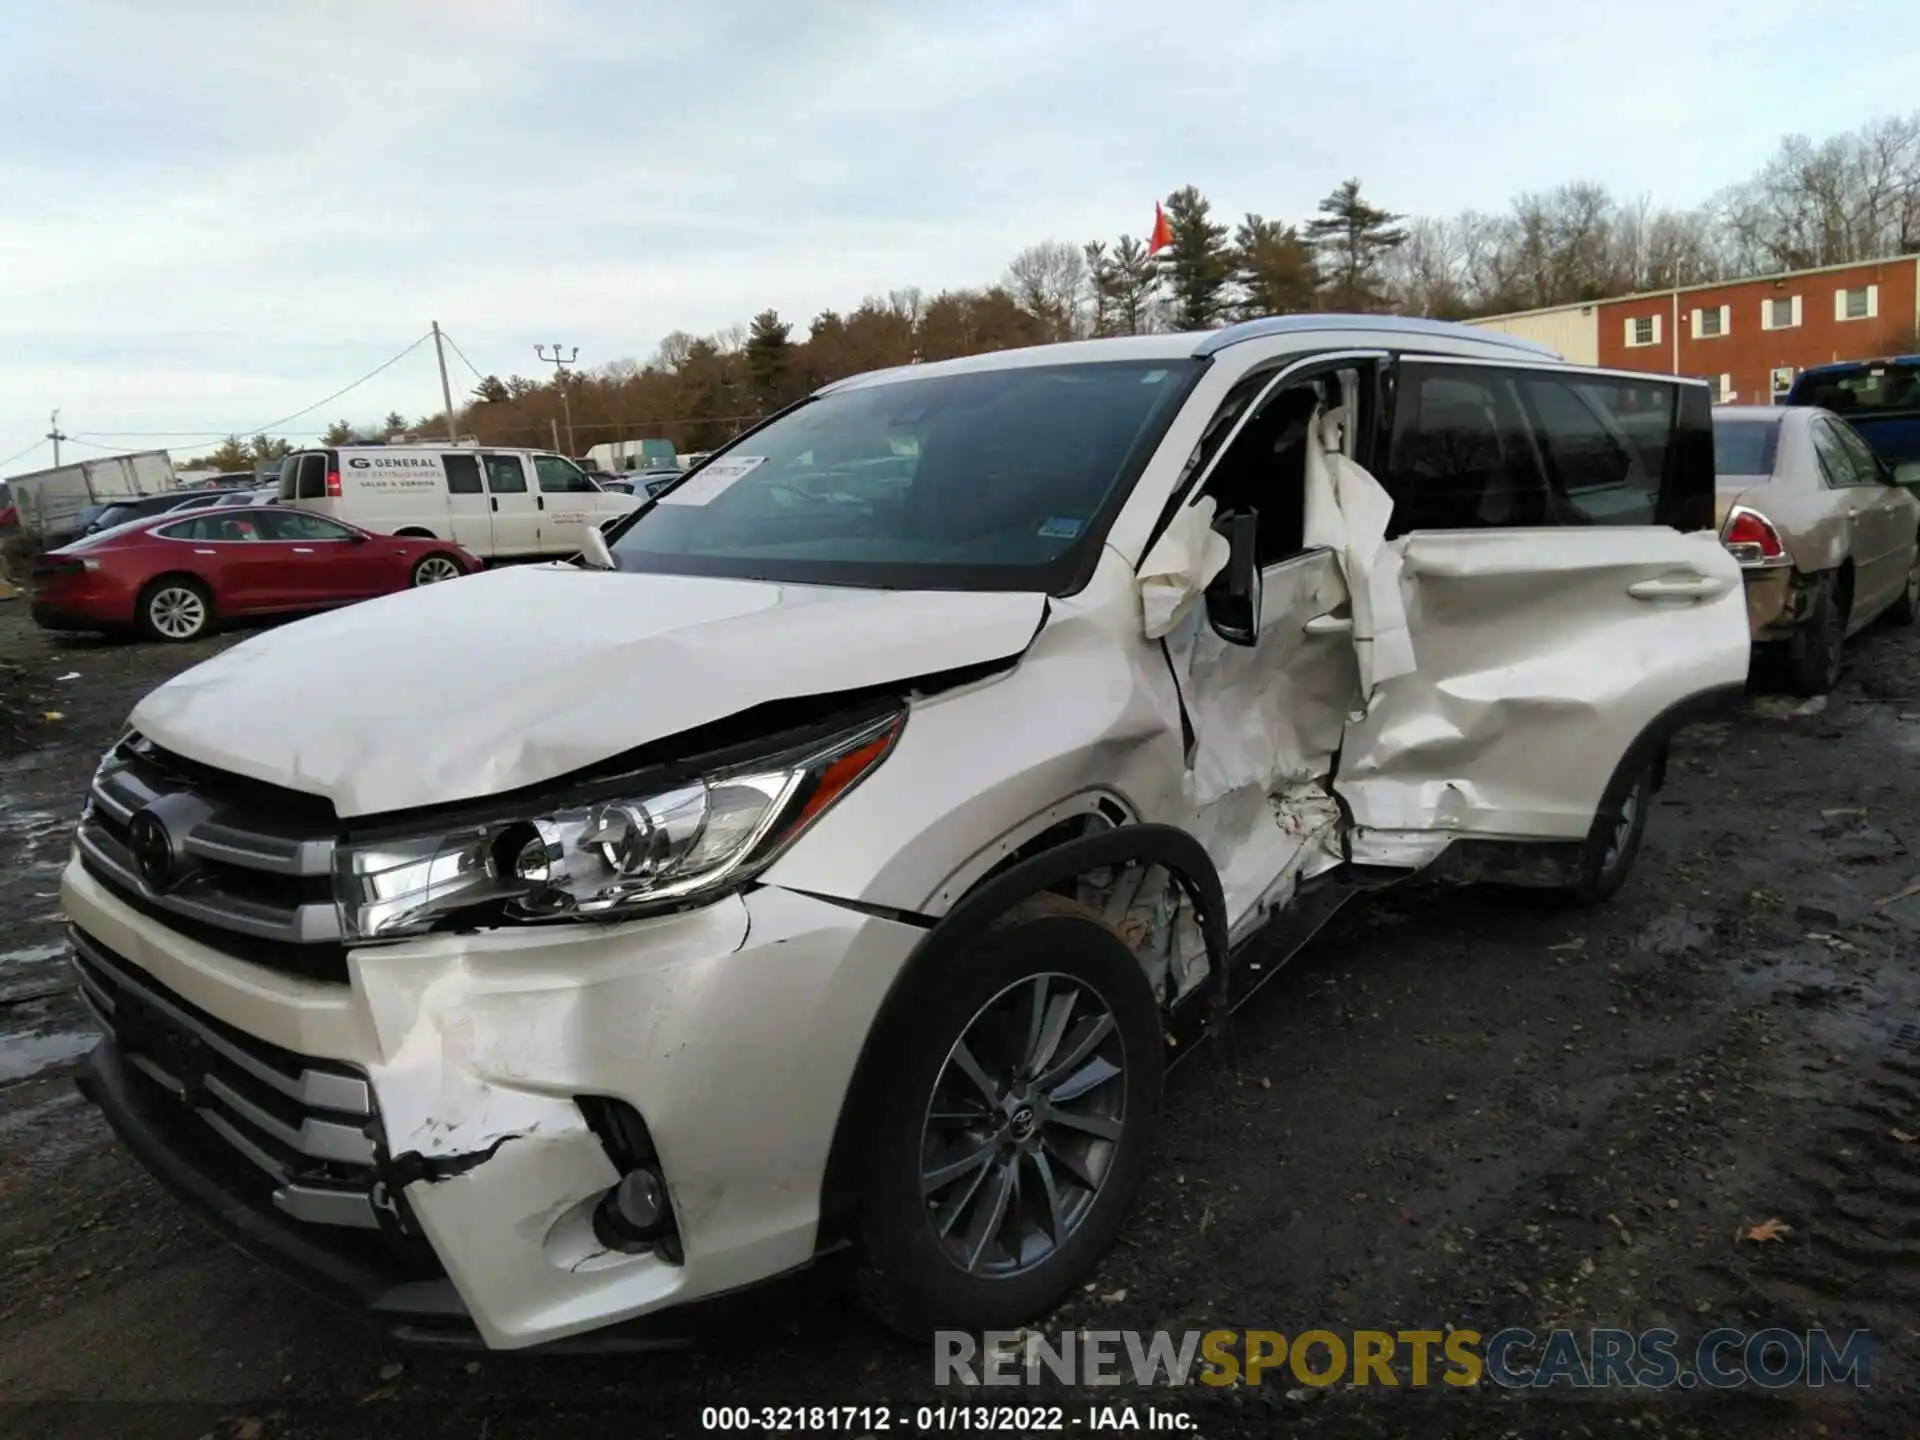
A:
[1907,473]
[357,537]
[1233,600]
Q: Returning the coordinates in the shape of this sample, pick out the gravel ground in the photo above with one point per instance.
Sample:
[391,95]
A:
[1467,1108]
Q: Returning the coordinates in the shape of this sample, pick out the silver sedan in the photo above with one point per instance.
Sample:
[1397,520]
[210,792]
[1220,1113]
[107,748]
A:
[1828,540]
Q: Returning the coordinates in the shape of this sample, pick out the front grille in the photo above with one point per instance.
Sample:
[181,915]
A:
[240,865]
[291,1132]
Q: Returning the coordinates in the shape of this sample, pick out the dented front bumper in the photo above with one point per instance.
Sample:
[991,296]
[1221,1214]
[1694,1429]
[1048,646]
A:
[733,1030]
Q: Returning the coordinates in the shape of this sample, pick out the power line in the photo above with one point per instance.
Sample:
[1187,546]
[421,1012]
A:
[275,424]
[28,451]
[463,355]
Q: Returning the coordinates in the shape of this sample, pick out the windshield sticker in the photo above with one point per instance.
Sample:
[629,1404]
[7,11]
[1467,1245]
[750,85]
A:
[716,477]
[1058,528]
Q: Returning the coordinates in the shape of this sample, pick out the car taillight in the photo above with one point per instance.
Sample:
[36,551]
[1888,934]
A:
[1751,539]
[49,566]
[333,484]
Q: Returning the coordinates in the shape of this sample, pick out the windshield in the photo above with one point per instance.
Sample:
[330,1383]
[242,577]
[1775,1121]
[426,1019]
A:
[996,480]
[1745,447]
[1870,389]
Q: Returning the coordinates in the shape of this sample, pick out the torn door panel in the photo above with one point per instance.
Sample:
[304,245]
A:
[1347,512]
[1543,655]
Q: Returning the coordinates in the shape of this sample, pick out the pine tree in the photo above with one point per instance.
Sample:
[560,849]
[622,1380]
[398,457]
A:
[1353,236]
[769,359]
[1136,285]
[1275,269]
[1198,266]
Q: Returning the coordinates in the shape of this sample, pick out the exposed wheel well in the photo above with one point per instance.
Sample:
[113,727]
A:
[1843,583]
[416,532]
[177,577]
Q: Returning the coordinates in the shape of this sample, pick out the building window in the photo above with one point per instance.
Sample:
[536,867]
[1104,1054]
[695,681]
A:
[1780,313]
[1643,330]
[1720,385]
[1712,322]
[1862,302]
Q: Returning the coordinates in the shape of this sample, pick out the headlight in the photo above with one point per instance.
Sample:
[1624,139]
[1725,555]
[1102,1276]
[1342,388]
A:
[604,857]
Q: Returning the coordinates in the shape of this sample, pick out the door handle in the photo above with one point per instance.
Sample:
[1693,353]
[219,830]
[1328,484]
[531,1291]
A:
[303,549]
[539,502]
[1330,624]
[496,501]
[1700,587]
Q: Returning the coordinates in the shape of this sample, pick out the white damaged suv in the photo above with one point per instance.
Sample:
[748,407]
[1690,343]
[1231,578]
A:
[829,856]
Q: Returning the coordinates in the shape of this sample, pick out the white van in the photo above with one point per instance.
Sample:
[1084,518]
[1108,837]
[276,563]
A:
[497,504]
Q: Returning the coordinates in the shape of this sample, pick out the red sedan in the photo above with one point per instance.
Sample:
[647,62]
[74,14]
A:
[175,575]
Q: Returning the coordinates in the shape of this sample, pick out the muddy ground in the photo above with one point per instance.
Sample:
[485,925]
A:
[1468,1109]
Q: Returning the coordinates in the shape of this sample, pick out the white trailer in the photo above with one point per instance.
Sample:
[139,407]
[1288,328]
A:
[50,501]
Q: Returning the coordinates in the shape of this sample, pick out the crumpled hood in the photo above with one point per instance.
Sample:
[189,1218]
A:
[516,676]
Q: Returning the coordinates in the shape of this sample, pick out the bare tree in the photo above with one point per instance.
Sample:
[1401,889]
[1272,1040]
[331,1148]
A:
[1848,198]
[1050,281]
[1428,273]
[673,351]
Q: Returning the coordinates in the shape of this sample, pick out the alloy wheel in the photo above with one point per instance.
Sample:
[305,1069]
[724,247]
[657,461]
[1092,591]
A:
[177,612]
[434,569]
[1021,1131]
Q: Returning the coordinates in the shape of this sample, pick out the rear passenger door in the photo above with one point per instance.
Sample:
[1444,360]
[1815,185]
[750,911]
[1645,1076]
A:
[468,507]
[512,503]
[1877,525]
[1565,595]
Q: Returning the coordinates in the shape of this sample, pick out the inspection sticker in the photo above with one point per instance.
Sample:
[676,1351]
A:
[1059,528]
[716,477]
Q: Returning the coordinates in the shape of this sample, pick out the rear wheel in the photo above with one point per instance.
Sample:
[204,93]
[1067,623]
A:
[176,609]
[1614,840]
[1813,655]
[1906,609]
[435,568]
[1015,1109]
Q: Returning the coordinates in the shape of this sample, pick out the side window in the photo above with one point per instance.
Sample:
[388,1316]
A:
[506,475]
[463,474]
[1835,463]
[559,477]
[1605,443]
[1264,469]
[1462,455]
[313,477]
[297,525]
[1865,464]
[213,525]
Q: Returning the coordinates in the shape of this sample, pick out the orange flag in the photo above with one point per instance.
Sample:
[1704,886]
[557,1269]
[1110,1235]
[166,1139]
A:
[1162,232]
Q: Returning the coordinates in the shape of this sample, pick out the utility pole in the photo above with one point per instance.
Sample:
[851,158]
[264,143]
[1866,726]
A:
[55,436]
[560,363]
[446,392]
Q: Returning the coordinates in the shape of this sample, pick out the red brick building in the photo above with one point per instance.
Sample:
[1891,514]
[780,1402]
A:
[1748,337]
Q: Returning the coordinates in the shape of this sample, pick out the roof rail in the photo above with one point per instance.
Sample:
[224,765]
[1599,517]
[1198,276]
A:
[1270,325]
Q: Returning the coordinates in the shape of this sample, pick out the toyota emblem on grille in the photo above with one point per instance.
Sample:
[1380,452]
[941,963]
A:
[152,849]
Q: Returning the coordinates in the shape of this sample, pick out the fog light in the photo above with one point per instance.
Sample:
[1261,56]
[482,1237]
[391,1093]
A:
[641,1200]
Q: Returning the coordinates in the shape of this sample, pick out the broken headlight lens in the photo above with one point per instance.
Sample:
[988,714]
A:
[601,858]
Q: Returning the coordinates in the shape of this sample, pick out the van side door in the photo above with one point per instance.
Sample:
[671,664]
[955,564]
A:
[469,515]
[516,516]
[1567,601]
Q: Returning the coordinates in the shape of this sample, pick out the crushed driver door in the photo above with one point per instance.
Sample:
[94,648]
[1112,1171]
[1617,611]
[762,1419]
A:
[1564,596]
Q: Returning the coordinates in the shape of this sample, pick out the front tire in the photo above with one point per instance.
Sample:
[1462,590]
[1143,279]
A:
[175,609]
[435,568]
[1016,1099]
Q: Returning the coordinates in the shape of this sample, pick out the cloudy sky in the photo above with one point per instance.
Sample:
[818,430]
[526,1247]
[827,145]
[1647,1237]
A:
[216,212]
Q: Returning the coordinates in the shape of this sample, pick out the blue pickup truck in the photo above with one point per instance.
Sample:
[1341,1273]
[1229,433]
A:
[1880,399]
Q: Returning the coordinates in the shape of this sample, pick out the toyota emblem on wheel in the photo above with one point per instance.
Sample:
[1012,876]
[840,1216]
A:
[152,849]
